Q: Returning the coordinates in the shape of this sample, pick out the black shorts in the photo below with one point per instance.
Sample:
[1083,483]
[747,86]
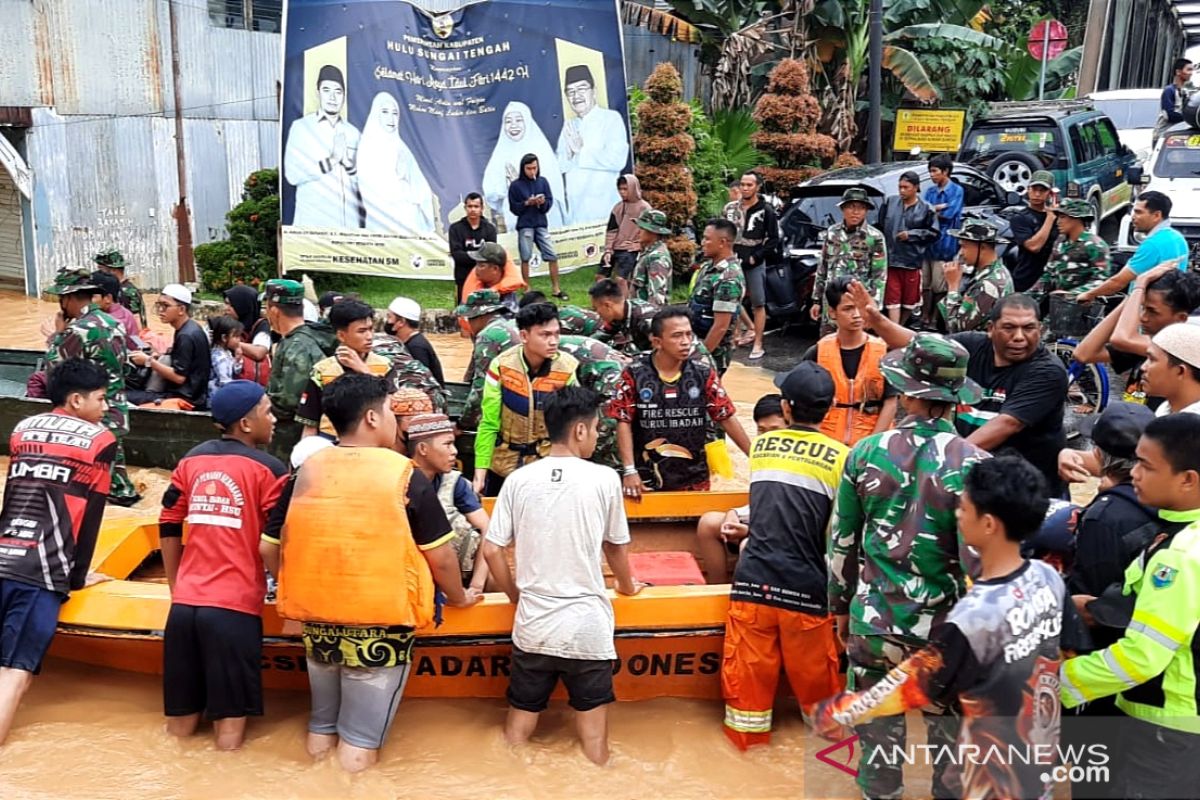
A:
[212,663]
[28,620]
[534,676]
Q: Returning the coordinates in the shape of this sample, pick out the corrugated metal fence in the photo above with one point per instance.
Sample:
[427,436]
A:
[645,49]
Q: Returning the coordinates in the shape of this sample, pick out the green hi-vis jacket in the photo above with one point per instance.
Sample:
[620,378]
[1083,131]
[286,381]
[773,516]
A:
[1154,665]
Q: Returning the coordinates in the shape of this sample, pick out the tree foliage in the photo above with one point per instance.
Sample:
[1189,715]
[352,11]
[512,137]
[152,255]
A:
[249,254]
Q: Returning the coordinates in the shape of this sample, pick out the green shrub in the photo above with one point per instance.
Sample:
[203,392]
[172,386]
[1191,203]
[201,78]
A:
[250,254]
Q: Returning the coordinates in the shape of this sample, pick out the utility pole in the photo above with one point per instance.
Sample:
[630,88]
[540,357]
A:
[874,83]
[183,223]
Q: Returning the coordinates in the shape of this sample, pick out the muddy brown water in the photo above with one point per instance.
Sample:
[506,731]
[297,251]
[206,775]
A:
[86,732]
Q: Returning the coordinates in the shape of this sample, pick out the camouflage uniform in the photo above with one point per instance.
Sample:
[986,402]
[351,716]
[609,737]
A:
[297,352]
[896,563]
[499,335]
[599,369]
[408,372]
[651,278]
[113,260]
[971,306]
[861,253]
[98,338]
[631,335]
[717,288]
[576,321]
[1077,266]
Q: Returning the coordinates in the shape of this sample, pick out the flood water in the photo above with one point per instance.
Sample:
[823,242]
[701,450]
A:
[85,732]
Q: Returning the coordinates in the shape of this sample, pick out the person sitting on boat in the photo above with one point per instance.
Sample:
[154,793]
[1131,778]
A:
[663,403]
[212,645]
[722,532]
[564,622]
[113,262]
[58,478]
[626,319]
[186,373]
[863,403]
[404,322]
[108,293]
[430,441]
[778,610]
[493,330]
[301,345]
[355,520]
[353,323]
[512,431]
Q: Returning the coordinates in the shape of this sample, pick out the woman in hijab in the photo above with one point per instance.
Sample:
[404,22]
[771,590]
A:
[241,303]
[519,135]
[395,194]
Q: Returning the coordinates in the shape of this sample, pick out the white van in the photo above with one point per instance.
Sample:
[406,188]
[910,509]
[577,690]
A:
[1134,112]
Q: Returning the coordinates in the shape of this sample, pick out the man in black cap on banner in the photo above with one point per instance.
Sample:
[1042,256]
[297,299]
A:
[319,159]
[593,149]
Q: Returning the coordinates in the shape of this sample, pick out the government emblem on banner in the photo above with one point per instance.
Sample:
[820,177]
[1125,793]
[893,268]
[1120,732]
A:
[443,26]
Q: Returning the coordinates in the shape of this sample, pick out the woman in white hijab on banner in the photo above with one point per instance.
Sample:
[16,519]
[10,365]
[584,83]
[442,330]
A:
[520,134]
[395,194]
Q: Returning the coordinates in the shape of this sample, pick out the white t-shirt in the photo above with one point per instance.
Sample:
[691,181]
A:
[564,509]
[1164,409]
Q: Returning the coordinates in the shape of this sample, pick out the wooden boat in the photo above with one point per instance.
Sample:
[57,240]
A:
[157,438]
[669,638]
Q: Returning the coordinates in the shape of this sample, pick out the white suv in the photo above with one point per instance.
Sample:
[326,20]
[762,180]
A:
[1173,169]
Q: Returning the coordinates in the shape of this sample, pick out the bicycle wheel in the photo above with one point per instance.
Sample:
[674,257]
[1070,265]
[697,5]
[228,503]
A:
[1087,390]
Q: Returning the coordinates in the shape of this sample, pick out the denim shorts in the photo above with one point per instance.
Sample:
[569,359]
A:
[28,619]
[527,237]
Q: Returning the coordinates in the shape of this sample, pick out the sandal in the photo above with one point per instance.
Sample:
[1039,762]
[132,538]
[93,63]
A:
[743,340]
[757,354]
[561,295]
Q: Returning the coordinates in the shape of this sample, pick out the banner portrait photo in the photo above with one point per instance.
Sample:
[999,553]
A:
[392,115]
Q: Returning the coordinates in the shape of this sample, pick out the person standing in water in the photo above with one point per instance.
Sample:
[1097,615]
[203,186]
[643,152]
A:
[58,480]
[564,622]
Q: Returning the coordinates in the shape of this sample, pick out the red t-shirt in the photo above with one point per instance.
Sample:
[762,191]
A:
[58,481]
[224,490]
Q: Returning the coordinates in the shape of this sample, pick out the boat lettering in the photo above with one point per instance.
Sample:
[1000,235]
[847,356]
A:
[638,664]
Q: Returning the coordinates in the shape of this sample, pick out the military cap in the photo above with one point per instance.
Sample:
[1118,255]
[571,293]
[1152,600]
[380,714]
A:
[654,221]
[111,258]
[1076,209]
[284,291]
[490,252]
[931,367]
[479,303]
[72,281]
[978,231]
[1043,178]
[856,194]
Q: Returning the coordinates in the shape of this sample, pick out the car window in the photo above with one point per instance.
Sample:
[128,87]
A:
[1109,142]
[1091,140]
[1078,148]
[810,216]
[1179,156]
[984,142]
[1128,114]
[977,190]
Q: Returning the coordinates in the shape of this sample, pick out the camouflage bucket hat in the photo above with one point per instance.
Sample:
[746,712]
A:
[111,258]
[1077,209]
[856,194]
[931,367]
[490,252]
[1043,177]
[72,281]
[284,291]
[653,221]
[978,231]
[479,303]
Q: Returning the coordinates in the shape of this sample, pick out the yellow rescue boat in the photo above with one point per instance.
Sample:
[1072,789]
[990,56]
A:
[669,638]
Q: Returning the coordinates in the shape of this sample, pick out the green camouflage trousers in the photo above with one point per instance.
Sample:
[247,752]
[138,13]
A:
[122,485]
[880,767]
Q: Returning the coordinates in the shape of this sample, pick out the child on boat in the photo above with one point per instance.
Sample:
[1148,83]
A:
[227,335]
[58,480]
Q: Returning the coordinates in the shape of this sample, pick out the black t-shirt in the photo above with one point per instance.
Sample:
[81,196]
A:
[1029,266]
[1123,362]
[191,356]
[1033,391]
[420,349]
[850,361]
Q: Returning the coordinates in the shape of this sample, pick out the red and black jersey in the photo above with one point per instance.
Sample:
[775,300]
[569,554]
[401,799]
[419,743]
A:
[58,480]
[224,490]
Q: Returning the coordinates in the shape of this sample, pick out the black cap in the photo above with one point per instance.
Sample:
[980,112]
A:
[1117,430]
[808,385]
[329,299]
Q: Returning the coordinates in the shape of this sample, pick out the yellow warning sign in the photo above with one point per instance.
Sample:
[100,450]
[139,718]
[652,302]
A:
[937,131]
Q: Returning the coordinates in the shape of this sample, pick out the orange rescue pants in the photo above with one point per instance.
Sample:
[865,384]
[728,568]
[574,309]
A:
[758,640]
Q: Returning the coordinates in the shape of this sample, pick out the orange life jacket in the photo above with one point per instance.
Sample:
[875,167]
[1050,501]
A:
[347,554]
[857,403]
[510,281]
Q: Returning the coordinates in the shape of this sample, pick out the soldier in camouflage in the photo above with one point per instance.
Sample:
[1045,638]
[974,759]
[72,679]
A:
[407,372]
[576,321]
[626,321]
[494,331]
[90,334]
[112,261]
[852,247]
[970,298]
[896,562]
[302,345]
[717,292]
[599,369]
[651,278]
[1080,261]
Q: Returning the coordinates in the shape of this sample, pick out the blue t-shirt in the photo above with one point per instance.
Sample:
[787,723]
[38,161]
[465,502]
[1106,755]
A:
[465,499]
[945,247]
[1163,244]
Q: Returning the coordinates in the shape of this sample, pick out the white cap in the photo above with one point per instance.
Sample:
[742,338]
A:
[311,313]
[1182,341]
[177,292]
[306,448]
[406,308]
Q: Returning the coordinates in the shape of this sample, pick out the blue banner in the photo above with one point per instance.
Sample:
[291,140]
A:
[393,114]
